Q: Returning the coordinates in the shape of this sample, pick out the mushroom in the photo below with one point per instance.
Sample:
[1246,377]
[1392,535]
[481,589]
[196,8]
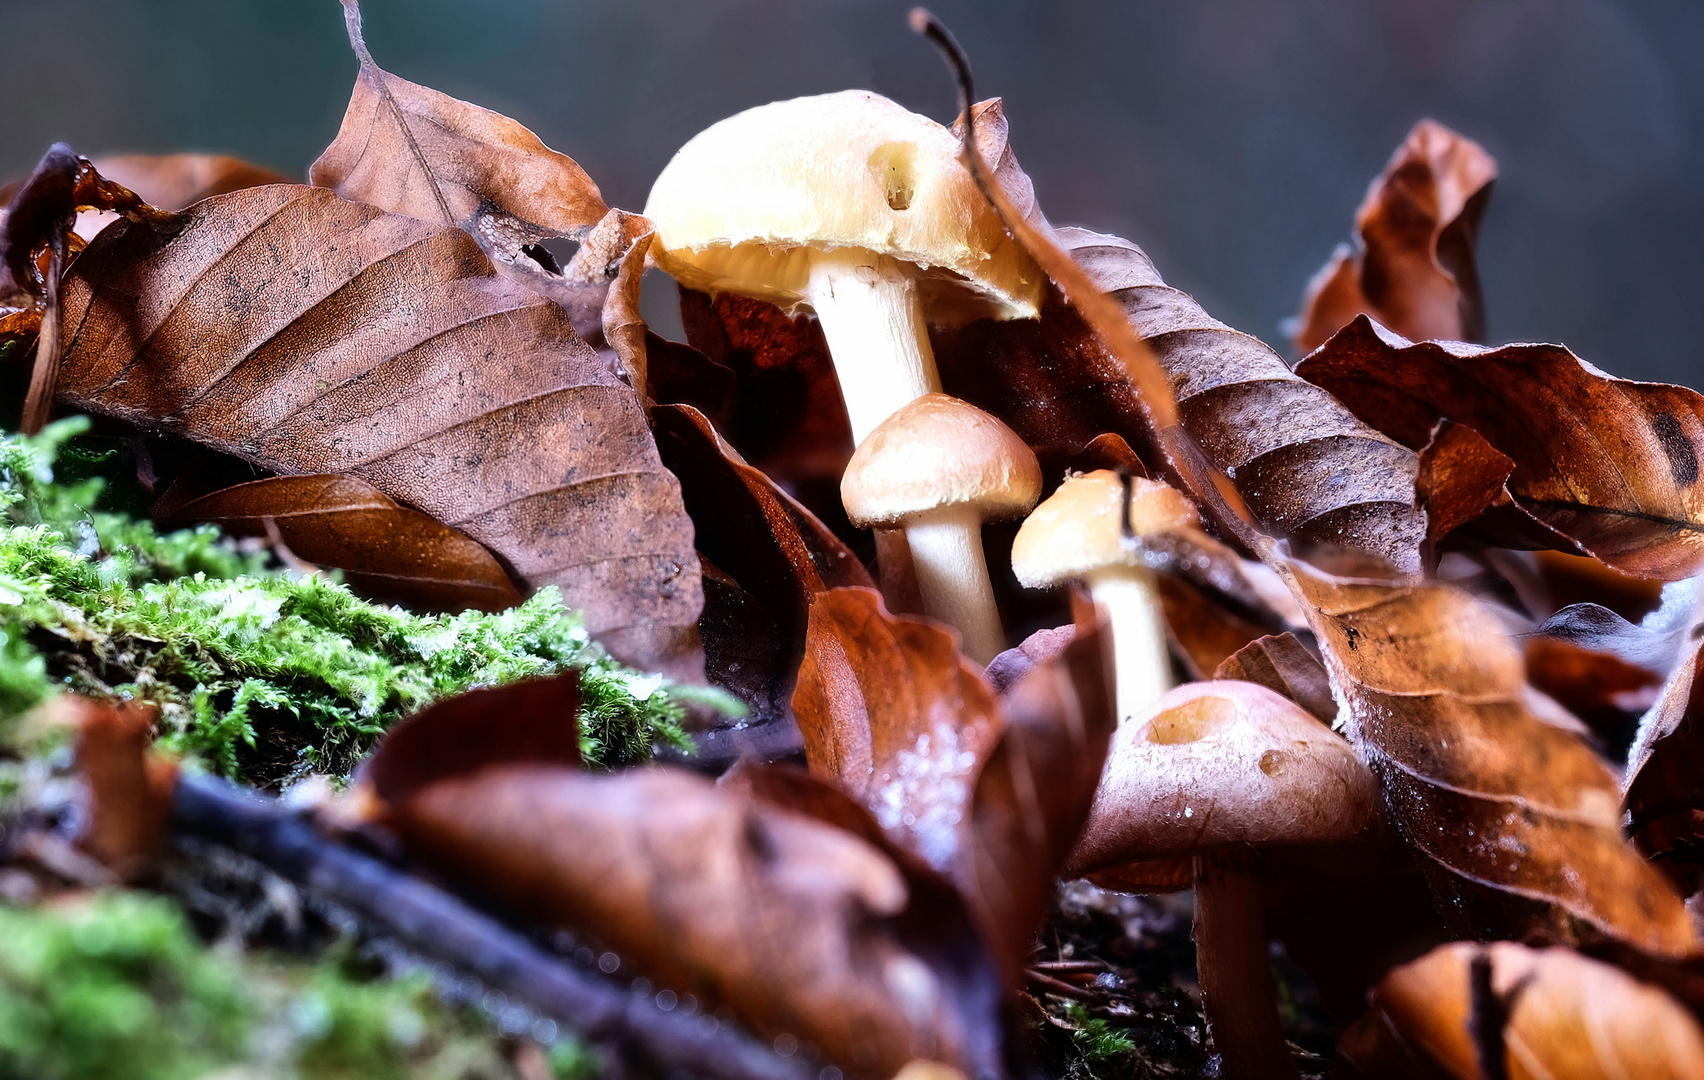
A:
[852,207]
[1212,771]
[1079,533]
[939,468]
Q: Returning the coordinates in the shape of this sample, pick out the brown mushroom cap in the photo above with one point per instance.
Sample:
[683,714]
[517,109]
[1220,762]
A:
[935,453]
[740,206]
[1216,764]
[1079,529]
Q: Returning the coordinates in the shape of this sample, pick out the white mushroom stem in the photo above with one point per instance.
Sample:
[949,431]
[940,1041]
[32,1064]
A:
[1137,621]
[952,576]
[872,319]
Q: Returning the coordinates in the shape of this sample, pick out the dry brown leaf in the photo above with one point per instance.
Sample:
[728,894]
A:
[1609,464]
[1565,1017]
[386,551]
[1306,467]
[1665,774]
[1412,268]
[1517,819]
[1461,476]
[173,181]
[129,791]
[391,352]
[409,149]
[990,794]
[1283,665]
[801,928]
[1598,687]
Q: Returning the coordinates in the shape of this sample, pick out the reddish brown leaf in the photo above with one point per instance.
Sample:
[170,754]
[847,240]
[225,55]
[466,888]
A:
[1516,819]
[770,547]
[1609,464]
[800,927]
[173,181]
[992,795]
[1461,476]
[411,150]
[1553,1015]
[1412,268]
[394,354]
[1281,664]
[129,791]
[1665,773]
[385,551]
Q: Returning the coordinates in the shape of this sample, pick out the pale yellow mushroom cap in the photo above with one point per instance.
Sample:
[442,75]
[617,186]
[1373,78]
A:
[1079,529]
[938,452]
[741,204]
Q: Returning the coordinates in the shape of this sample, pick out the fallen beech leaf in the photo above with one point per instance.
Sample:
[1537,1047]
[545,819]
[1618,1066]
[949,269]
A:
[386,551]
[1565,1017]
[771,547]
[801,928]
[129,791]
[1654,643]
[1008,669]
[1306,467]
[624,329]
[990,794]
[1461,476]
[1665,774]
[411,150]
[173,181]
[1598,687]
[1516,819]
[1609,464]
[1413,267]
[787,416]
[1281,664]
[391,352]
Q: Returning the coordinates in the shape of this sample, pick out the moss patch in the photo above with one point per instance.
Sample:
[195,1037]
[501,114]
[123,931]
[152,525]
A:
[259,672]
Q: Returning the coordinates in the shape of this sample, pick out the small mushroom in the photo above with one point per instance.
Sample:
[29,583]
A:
[1212,771]
[850,206]
[939,468]
[1078,533]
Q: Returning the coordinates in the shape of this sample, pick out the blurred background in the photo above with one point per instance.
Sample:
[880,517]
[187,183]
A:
[1233,139]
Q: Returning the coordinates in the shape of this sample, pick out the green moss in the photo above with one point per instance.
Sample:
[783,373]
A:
[258,671]
[1096,1039]
[119,988]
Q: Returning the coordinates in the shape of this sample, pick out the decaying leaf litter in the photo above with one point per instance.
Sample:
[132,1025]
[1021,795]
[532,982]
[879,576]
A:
[1411,596]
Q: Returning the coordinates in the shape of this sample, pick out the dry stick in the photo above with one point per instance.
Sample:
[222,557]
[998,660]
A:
[436,923]
[1242,1015]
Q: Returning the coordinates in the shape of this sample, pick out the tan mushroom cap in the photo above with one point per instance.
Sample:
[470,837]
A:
[1079,529]
[740,204]
[1216,764]
[935,453]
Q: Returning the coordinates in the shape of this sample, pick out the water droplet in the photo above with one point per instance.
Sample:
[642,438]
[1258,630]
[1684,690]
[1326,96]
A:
[608,962]
[1273,763]
[666,1000]
[786,1045]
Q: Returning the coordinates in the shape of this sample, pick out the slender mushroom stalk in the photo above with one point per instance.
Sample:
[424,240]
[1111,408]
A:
[852,207]
[872,319]
[1210,772]
[940,467]
[1079,533]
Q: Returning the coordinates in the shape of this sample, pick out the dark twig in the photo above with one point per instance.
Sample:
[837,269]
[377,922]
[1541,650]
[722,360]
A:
[425,918]
[1488,1017]
[1153,387]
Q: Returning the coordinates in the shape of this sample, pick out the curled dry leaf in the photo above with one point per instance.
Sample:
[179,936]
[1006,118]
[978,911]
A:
[1606,464]
[1564,1017]
[795,925]
[1306,467]
[1516,819]
[1461,476]
[386,551]
[173,181]
[1665,774]
[773,552]
[1283,665]
[1413,267]
[129,791]
[989,793]
[394,354]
